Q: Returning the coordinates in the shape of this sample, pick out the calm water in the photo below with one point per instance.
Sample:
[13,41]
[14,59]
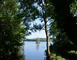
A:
[33,51]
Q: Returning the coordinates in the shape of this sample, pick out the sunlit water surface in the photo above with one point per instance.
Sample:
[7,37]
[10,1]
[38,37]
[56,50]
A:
[33,51]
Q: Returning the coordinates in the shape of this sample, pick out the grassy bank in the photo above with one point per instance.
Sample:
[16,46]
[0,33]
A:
[71,55]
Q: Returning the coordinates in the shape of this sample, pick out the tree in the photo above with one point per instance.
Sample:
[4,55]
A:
[12,32]
[41,13]
[46,29]
[64,17]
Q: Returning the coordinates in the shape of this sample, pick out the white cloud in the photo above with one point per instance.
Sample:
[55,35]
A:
[39,34]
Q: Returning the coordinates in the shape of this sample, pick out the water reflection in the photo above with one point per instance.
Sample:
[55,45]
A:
[34,50]
[37,45]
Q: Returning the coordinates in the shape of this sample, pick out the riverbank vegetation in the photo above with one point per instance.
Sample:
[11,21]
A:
[58,19]
[64,28]
[38,39]
[12,32]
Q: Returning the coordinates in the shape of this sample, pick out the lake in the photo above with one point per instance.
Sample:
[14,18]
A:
[34,51]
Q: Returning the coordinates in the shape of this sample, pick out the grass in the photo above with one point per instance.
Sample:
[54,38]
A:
[55,57]
[70,56]
[72,52]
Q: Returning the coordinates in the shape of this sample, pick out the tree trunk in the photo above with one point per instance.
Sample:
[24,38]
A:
[46,31]
[47,37]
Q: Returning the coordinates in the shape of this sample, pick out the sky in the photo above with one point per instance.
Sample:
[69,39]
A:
[38,34]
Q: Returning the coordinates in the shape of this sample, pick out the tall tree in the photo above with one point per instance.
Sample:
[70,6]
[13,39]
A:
[11,30]
[41,10]
[65,21]
[45,22]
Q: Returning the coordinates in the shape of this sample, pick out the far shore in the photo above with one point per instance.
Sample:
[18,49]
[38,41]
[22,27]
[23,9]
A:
[38,39]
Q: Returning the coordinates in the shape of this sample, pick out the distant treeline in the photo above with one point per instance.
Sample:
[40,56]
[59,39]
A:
[36,39]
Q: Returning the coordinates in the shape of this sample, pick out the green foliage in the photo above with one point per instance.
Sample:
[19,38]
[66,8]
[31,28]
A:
[16,56]
[64,28]
[29,11]
[54,31]
[12,31]
[62,45]
[73,8]
[54,57]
